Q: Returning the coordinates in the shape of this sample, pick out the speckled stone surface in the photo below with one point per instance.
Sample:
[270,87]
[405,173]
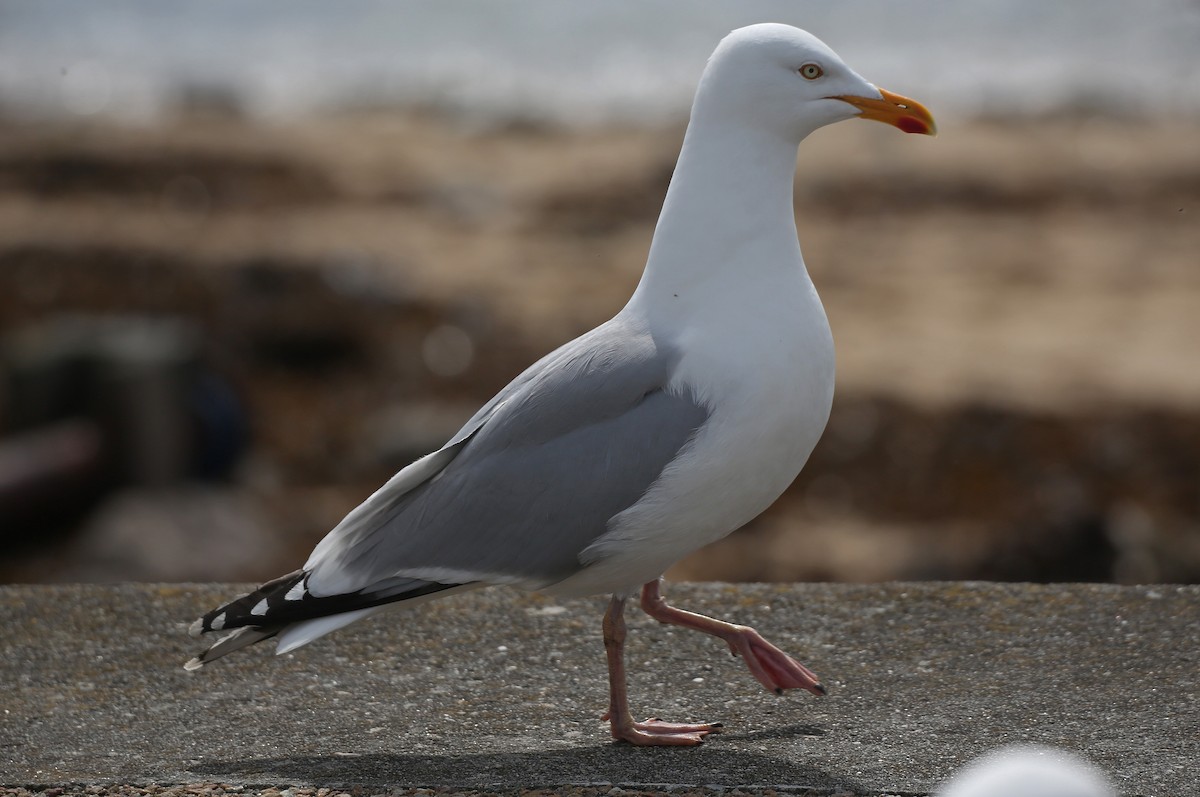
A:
[500,691]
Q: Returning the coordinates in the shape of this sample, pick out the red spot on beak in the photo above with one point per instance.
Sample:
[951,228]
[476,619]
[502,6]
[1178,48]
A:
[910,124]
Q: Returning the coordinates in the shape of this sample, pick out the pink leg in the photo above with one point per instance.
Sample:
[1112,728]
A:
[650,732]
[773,668]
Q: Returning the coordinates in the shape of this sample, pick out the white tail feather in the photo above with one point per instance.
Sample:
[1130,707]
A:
[298,635]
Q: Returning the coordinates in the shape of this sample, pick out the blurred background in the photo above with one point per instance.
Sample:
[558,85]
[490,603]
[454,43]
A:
[254,258]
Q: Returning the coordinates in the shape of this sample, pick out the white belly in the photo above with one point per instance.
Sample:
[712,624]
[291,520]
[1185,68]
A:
[769,384]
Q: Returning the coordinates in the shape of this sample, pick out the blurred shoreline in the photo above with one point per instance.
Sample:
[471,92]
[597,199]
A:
[1014,304]
[580,64]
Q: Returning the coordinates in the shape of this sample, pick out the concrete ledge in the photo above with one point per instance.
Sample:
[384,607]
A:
[500,691]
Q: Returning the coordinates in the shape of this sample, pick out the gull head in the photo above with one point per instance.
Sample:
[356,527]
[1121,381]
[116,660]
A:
[787,81]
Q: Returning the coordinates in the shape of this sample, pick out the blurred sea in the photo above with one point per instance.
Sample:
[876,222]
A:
[579,63]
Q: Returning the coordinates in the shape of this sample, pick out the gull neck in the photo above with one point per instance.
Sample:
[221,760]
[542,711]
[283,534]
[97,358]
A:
[729,208]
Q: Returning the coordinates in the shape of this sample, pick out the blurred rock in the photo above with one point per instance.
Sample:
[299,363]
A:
[226,181]
[91,404]
[183,533]
[49,477]
[142,381]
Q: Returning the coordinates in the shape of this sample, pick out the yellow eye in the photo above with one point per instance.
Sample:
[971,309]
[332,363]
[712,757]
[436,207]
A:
[811,71]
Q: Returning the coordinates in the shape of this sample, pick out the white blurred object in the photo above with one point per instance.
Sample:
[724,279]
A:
[1028,771]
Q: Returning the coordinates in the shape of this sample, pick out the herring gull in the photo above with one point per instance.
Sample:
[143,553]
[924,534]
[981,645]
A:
[660,431]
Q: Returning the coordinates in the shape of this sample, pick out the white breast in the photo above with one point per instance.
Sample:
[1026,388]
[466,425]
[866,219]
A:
[768,378]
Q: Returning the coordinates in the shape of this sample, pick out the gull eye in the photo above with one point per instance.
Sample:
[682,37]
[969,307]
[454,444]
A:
[811,71]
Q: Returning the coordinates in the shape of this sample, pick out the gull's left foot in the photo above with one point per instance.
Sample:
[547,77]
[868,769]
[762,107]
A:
[773,668]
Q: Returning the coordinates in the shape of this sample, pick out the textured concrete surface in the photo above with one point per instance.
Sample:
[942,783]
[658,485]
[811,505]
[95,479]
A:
[500,691]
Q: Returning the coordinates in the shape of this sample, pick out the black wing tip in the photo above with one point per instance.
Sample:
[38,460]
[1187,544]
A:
[240,612]
[277,603]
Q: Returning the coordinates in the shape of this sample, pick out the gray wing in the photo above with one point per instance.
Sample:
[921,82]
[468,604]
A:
[532,479]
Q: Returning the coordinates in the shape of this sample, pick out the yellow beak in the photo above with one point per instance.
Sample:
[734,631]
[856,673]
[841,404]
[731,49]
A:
[908,115]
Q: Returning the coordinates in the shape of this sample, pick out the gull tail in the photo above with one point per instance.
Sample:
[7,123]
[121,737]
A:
[285,608]
[243,637]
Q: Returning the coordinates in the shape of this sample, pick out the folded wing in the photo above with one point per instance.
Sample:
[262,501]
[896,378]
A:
[527,484]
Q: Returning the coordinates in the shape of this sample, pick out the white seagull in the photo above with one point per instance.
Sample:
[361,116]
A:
[658,432]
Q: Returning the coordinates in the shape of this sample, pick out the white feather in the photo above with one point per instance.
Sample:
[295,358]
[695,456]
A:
[300,634]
